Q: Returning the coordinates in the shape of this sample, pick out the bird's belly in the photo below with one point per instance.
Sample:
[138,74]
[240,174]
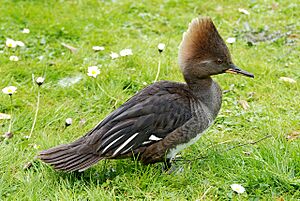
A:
[172,152]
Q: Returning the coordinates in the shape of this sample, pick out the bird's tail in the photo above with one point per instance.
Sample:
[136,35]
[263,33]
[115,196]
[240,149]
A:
[69,158]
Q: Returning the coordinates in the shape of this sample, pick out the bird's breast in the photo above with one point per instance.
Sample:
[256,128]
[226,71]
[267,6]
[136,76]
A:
[202,119]
[172,152]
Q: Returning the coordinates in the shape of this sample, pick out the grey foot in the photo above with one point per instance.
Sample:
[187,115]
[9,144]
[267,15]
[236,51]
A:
[170,167]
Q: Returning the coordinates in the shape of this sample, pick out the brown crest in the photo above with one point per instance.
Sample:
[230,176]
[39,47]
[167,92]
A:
[201,41]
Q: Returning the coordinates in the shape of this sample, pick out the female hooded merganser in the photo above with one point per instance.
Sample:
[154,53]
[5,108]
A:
[163,118]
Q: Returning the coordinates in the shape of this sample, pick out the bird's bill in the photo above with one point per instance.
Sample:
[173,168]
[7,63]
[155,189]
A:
[235,70]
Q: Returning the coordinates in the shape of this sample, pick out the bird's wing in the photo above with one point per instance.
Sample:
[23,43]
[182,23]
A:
[146,118]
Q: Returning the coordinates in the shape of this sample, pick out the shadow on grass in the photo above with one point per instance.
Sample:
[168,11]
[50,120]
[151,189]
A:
[104,171]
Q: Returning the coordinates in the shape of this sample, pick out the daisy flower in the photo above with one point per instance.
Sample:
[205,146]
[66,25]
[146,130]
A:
[98,48]
[10,43]
[93,71]
[114,55]
[40,80]
[26,31]
[20,43]
[10,90]
[161,47]
[244,11]
[230,40]
[287,79]
[14,58]
[40,57]
[69,121]
[237,188]
[125,52]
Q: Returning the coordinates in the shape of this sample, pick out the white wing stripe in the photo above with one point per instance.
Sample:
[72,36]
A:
[125,143]
[127,149]
[112,143]
[111,136]
[154,138]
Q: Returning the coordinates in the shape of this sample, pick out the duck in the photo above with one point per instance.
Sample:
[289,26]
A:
[165,117]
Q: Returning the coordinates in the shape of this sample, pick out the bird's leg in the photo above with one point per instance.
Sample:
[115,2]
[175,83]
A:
[167,164]
[169,168]
[168,161]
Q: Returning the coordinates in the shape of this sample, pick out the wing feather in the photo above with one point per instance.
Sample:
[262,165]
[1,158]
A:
[155,111]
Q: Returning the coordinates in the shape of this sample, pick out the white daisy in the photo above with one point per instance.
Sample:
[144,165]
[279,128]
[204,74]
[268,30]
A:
[26,31]
[244,11]
[10,43]
[41,57]
[98,48]
[238,188]
[93,71]
[14,58]
[4,116]
[40,80]
[20,43]
[69,121]
[114,55]
[161,47]
[10,90]
[230,40]
[287,79]
[125,52]
[35,146]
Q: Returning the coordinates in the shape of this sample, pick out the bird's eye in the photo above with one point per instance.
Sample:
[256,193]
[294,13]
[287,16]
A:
[219,61]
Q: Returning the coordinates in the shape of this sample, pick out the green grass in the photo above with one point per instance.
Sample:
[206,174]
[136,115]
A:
[271,171]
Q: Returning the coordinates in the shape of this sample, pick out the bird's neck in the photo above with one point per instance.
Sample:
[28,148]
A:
[200,86]
[197,84]
[208,92]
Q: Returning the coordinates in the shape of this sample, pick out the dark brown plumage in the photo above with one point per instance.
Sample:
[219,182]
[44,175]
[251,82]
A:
[163,118]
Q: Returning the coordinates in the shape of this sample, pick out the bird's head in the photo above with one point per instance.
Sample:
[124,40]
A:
[203,52]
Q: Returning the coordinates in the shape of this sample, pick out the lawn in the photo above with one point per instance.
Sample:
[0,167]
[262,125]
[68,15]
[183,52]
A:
[267,44]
